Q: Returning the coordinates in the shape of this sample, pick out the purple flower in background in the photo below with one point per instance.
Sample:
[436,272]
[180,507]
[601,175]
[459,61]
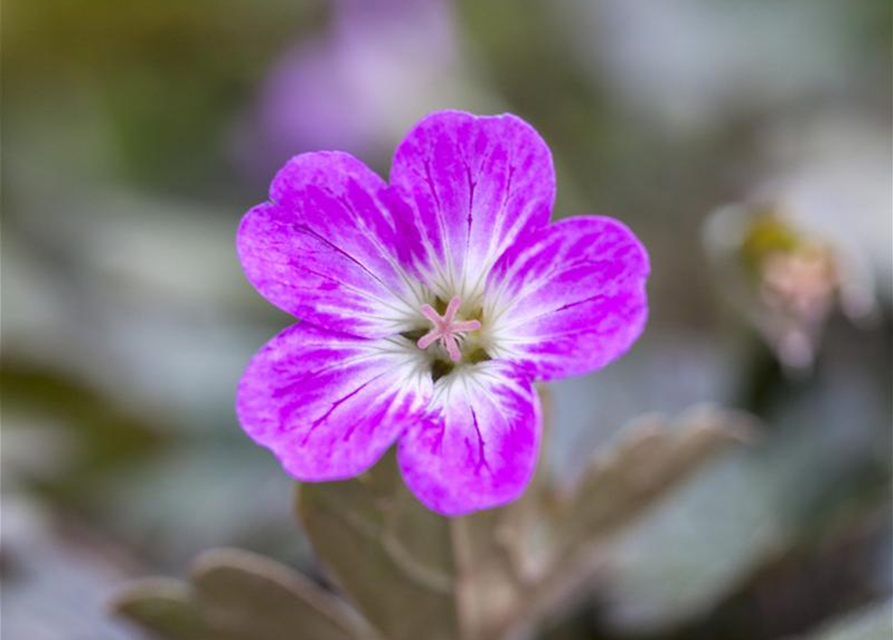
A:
[336,90]
[429,308]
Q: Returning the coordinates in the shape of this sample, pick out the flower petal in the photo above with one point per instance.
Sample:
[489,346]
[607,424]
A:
[328,249]
[474,184]
[330,405]
[569,300]
[478,447]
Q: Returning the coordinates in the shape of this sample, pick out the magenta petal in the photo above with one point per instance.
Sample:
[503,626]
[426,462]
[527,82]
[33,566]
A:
[330,405]
[474,185]
[478,448]
[328,249]
[570,299]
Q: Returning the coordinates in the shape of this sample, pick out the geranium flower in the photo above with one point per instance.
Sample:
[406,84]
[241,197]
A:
[429,308]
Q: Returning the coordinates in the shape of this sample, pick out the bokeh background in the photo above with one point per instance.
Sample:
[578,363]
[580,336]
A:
[136,133]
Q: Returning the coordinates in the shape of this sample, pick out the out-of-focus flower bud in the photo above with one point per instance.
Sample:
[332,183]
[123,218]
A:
[786,279]
[813,236]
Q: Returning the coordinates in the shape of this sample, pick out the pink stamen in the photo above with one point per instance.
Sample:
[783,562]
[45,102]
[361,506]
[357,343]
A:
[446,330]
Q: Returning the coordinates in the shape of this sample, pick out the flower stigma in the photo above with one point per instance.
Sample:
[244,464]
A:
[446,329]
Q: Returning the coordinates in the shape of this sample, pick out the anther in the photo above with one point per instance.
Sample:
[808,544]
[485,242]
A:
[447,329]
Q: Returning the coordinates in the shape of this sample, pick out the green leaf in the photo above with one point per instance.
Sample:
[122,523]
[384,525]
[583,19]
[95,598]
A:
[652,458]
[622,483]
[163,607]
[104,437]
[392,556]
[874,622]
[236,595]
[415,574]
[254,597]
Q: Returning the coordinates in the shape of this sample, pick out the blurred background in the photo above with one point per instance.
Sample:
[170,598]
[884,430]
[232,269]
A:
[748,144]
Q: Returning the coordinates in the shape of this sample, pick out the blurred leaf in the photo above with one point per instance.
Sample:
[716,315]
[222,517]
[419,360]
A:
[822,458]
[871,623]
[164,607]
[115,56]
[416,574]
[650,460]
[236,595]
[458,573]
[493,572]
[621,484]
[103,436]
[392,555]
[264,600]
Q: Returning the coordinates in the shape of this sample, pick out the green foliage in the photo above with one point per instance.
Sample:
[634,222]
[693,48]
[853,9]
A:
[108,436]
[236,595]
[386,550]
[872,623]
[154,73]
[414,574]
[163,606]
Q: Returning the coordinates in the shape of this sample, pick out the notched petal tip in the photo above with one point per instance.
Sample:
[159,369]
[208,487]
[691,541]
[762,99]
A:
[318,167]
[474,184]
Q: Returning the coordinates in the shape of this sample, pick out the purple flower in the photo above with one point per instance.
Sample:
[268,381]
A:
[336,90]
[429,308]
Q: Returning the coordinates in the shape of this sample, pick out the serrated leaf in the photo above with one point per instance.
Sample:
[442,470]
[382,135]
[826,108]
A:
[415,574]
[651,459]
[392,556]
[387,550]
[236,595]
[619,486]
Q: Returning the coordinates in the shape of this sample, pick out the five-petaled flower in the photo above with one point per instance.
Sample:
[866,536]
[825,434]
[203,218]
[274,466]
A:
[428,309]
